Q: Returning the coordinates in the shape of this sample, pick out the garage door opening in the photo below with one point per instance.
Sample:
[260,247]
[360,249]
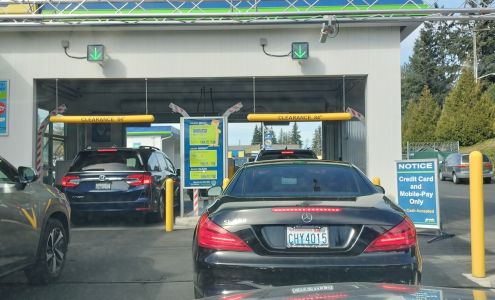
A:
[199,97]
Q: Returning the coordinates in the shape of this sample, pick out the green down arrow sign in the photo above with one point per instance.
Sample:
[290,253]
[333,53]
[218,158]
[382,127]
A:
[95,53]
[300,50]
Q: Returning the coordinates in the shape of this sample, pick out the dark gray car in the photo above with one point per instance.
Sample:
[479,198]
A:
[456,167]
[34,225]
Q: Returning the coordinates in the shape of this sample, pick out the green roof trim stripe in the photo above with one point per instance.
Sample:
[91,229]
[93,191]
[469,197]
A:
[301,9]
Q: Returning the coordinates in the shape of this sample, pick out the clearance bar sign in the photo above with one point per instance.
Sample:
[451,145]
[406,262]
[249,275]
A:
[299,117]
[103,119]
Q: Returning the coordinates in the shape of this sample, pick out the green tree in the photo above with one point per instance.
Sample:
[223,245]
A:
[429,65]
[270,130]
[467,115]
[295,135]
[257,136]
[316,142]
[420,119]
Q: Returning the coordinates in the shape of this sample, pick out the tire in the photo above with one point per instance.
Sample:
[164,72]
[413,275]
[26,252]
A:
[51,255]
[455,179]
[487,180]
[158,216]
[440,176]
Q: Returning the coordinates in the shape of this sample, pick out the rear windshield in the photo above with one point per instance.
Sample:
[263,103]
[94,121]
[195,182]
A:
[300,180]
[121,160]
[286,155]
[465,158]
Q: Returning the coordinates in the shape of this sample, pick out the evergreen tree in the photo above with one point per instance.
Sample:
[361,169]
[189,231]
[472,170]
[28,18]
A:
[431,64]
[420,119]
[466,116]
[281,136]
[270,130]
[257,136]
[295,135]
[316,143]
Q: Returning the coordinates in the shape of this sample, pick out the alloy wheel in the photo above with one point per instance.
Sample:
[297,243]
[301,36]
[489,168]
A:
[55,250]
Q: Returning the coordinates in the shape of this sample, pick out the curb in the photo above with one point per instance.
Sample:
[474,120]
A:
[186,222]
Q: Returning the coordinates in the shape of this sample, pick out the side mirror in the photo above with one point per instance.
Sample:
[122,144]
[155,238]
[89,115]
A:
[380,189]
[251,159]
[214,191]
[26,175]
[177,172]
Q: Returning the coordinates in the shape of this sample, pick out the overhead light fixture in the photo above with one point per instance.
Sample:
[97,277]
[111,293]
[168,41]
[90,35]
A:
[329,27]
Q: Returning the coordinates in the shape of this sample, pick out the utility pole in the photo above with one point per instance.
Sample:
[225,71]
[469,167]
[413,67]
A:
[475,56]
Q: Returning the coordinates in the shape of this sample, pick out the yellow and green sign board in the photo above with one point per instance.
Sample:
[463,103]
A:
[203,151]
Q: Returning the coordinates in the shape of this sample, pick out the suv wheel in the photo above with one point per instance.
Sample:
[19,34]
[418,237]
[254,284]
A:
[159,215]
[51,254]
[440,176]
[487,180]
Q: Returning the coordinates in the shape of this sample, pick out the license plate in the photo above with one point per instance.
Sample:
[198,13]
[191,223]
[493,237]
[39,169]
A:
[307,237]
[103,186]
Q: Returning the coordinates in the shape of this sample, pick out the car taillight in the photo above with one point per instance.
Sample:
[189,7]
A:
[70,181]
[463,166]
[212,236]
[139,179]
[400,237]
[489,165]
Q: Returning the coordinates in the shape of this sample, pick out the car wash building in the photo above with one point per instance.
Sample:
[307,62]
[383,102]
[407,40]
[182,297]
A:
[92,58]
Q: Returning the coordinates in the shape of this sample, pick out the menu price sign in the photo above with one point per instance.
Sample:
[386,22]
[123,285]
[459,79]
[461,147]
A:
[4,107]
[203,151]
[418,191]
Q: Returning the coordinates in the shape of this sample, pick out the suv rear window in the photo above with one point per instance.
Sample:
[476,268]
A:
[286,154]
[121,160]
[465,158]
[300,180]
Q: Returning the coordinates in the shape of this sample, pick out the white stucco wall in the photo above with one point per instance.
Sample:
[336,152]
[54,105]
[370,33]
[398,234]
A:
[374,52]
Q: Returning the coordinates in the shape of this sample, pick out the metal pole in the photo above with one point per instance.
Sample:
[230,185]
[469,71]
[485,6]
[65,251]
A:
[477,214]
[475,57]
[196,202]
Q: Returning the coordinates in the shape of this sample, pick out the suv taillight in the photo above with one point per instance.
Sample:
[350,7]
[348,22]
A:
[400,237]
[212,236]
[139,179]
[70,181]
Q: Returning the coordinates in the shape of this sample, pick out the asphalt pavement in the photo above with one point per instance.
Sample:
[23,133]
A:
[124,258]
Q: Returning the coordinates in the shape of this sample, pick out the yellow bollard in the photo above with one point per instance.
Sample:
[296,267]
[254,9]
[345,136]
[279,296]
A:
[169,205]
[477,214]
[479,295]
[225,183]
[376,180]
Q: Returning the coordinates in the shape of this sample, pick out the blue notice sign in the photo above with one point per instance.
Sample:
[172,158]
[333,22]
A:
[4,107]
[204,152]
[418,191]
